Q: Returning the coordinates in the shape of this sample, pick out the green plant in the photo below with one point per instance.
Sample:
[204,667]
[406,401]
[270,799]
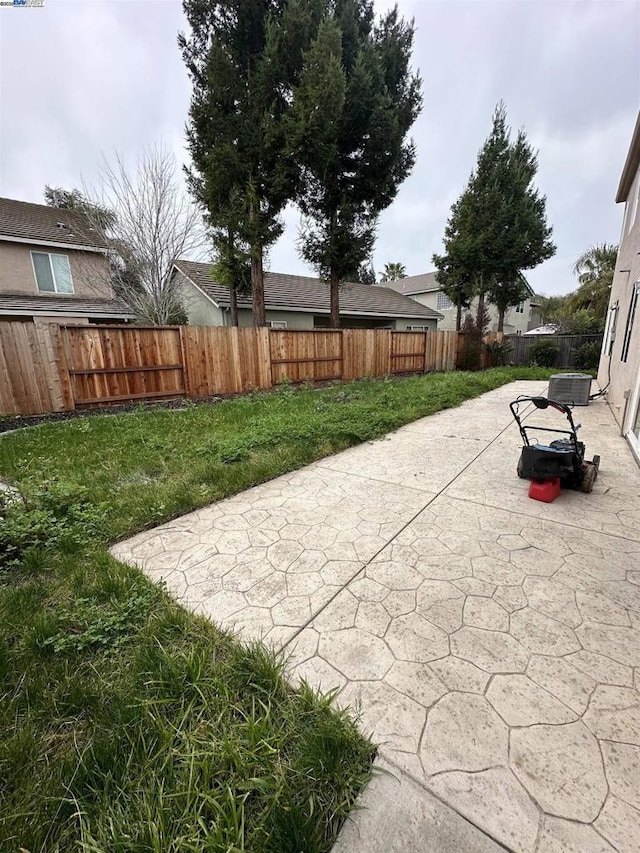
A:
[587,356]
[46,514]
[544,353]
[498,353]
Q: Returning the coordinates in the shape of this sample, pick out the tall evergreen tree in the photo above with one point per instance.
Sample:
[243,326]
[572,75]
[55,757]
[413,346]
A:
[244,57]
[98,214]
[353,107]
[498,226]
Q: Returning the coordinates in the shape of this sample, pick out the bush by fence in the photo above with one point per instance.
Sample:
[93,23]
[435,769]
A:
[52,368]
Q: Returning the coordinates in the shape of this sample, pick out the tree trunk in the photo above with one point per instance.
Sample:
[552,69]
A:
[335,300]
[480,311]
[501,312]
[257,288]
[459,314]
[233,306]
[257,276]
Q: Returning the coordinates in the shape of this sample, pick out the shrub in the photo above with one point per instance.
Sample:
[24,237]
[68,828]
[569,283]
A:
[47,514]
[544,353]
[587,356]
[498,353]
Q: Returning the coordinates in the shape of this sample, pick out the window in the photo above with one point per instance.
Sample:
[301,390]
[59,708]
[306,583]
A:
[417,328]
[630,319]
[444,303]
[610,331]
[53,274]
[520,308]
[277,324]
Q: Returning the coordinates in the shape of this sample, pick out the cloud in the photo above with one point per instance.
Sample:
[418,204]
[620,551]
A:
[78,79]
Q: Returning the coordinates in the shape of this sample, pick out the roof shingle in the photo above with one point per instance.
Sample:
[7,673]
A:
[303,293]
[38,223]
[15,302]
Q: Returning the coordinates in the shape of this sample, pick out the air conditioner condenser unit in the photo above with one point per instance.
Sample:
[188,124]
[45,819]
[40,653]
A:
[573,388]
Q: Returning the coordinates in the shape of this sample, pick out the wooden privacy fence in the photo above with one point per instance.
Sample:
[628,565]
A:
[51,368]
[567,345]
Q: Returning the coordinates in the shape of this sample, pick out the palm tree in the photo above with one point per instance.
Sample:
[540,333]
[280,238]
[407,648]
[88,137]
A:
[594,269]
[392,272]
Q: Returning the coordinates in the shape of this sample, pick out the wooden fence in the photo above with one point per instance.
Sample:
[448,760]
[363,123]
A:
[567,345]
[51,368]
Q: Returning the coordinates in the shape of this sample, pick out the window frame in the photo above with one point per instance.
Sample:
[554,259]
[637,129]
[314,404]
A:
[520,307]
[49,255]
[422,328]
[277,325]
[631,316]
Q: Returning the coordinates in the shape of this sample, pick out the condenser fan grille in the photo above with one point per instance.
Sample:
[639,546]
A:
[570,388]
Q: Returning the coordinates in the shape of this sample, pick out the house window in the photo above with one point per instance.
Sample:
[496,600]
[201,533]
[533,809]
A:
[277,324]
[610,331]
[52,272]
[417,328]
[444,303]
[520,308]
[628,332]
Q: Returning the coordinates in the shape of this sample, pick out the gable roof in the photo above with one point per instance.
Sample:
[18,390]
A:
[22,221]
[410,285]
[631,165]
[14,303]
[427,282]
[303,293]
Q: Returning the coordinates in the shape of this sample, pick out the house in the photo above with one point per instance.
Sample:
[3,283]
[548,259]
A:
[425,289]
[619,369]
[53,267]
[300,302]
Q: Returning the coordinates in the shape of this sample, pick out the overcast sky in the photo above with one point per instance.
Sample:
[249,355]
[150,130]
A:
[79,78]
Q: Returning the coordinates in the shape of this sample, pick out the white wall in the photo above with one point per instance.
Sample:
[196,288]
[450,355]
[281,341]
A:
[624,375]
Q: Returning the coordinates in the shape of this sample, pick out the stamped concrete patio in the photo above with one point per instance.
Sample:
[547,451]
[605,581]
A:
[491,642]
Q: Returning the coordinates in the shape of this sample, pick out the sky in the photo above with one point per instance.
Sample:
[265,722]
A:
[80,79]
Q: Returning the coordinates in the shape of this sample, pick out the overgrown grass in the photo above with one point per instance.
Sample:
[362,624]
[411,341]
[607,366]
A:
[126,723]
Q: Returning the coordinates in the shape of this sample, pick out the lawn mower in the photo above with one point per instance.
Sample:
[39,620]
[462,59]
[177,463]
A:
[561,462]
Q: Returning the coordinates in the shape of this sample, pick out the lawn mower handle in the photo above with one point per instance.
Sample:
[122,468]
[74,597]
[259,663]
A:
[541,403]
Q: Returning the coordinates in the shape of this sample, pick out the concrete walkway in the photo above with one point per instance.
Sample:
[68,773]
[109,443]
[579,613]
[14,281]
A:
[491,642]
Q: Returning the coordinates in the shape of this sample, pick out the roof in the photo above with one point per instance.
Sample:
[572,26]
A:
[23,221]
[632,163]
[18,303]
[410,285]
[303,293]
[548,329]
[426,282]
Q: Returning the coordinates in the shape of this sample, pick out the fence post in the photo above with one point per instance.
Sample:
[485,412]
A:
[60,334]
[186,375]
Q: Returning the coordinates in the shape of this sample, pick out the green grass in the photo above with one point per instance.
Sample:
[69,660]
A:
[126,723]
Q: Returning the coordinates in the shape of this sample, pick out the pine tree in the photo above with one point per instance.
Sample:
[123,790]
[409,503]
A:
[498,226]
[354,105]
[243,58]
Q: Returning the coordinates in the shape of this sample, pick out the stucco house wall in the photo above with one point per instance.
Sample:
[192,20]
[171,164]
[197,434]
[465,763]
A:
[620,359]
[199,308]
[89,270]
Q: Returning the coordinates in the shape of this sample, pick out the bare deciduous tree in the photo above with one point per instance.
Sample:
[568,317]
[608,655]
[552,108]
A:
[154,224]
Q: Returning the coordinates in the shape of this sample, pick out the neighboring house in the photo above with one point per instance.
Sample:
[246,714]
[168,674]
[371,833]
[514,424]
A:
[300,302]
[426,290]
[53,267]
[620,359]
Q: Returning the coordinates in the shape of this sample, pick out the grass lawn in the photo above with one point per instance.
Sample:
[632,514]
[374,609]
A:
[126,723]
